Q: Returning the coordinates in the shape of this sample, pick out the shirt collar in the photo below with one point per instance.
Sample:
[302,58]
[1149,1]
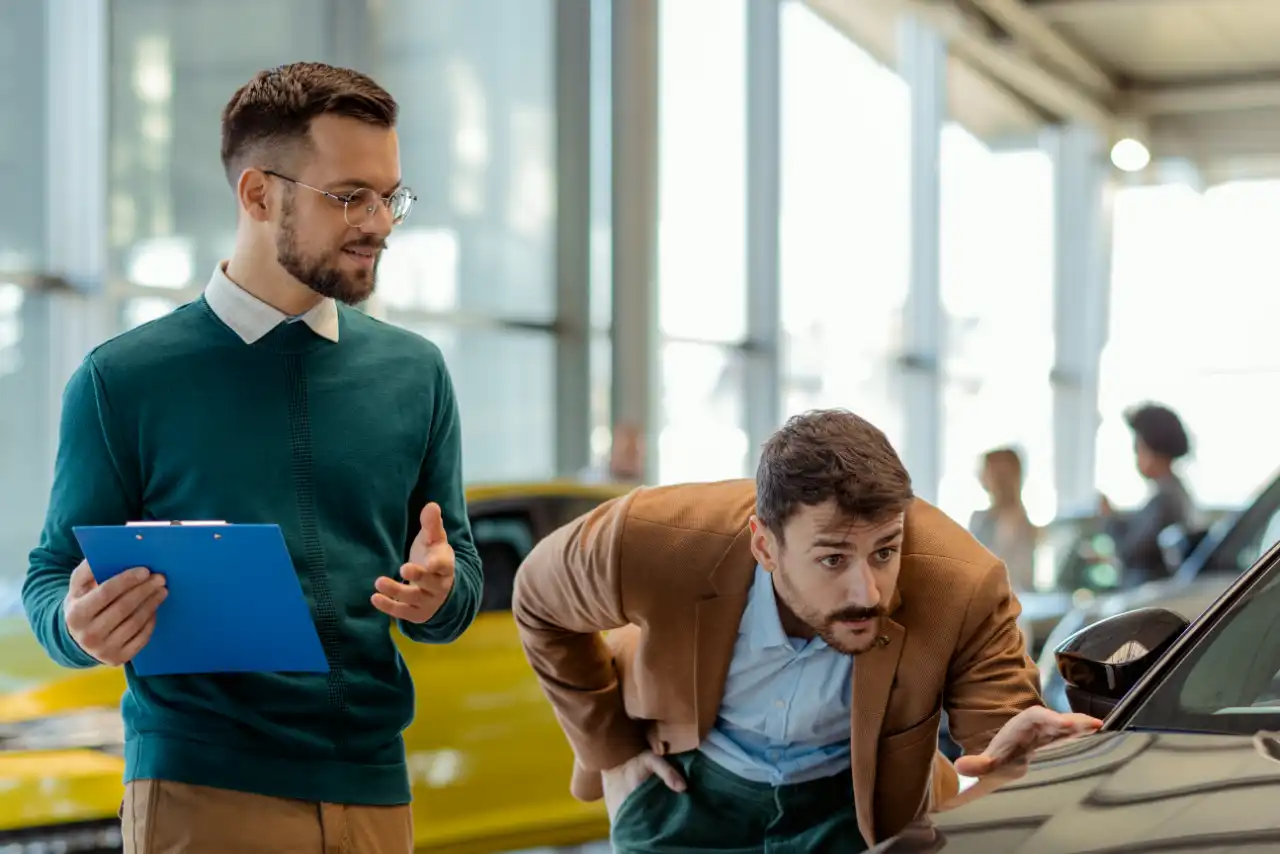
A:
[251,318]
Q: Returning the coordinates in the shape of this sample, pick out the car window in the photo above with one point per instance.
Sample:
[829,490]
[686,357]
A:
[568,509]
[1229,681]
[1261,544]
[503,539]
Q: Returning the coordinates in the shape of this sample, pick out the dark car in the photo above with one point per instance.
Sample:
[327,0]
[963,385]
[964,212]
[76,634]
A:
[1188,758]
[1229,548]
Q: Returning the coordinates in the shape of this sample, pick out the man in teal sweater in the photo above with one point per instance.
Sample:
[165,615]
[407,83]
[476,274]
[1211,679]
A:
[270,400]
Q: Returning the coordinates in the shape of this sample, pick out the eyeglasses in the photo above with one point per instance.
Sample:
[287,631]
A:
[360,206]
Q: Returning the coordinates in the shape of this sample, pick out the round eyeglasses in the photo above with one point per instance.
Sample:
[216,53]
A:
[360,206]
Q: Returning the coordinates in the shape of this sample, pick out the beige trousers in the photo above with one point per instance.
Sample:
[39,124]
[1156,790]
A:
[160,817]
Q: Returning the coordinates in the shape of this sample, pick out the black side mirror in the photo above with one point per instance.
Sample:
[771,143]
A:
[1101,662]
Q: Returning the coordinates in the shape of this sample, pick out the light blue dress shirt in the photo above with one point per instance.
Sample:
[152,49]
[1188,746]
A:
[784,717]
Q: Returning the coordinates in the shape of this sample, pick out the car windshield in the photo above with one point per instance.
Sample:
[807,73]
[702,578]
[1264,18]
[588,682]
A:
[1229,680]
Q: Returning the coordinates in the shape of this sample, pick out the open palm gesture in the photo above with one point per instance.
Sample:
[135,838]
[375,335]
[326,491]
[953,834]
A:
[428,576]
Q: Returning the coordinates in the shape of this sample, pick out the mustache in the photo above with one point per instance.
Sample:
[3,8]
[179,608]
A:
[853,613]
[372,243]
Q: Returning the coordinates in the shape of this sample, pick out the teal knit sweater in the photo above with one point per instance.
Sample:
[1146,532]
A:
[340,444]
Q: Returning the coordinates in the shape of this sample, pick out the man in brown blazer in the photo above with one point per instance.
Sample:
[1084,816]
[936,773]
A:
[779,653]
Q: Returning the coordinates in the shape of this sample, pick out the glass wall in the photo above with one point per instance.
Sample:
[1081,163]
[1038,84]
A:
[702,292]
[845,251]
[22,136]
[997,295]
[1193,303]
[27,409]
[474,83]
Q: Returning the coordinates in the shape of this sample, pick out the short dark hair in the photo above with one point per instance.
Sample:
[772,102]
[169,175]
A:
[275,109]
[1160,429]
[830,454]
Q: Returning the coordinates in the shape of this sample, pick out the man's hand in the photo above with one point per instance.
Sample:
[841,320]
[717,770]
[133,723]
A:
[112,621]
[1029,731]
[428,574]
[621,781]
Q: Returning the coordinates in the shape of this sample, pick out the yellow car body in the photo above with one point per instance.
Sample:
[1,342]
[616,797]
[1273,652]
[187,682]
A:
[490,767]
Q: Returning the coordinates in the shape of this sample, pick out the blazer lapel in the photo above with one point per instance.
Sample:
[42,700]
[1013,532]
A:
[873,677]
[719,613]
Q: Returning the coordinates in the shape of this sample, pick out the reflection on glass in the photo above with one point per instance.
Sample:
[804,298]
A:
[844,236]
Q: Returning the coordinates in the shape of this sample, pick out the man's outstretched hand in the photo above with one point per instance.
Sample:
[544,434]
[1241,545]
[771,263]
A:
[1029,731]
[428,576]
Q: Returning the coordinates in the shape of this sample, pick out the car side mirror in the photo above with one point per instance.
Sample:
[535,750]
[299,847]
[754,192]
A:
[1101,662]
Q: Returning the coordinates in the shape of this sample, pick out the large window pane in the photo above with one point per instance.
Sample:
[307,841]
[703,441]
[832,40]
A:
[1193,300]
[505,384]
[702,180]
[997,295]
[22,136]
[845,252]
[702,436]
[475,82]
[174,66]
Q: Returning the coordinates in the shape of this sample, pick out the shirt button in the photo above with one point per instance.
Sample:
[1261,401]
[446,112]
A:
[781,704]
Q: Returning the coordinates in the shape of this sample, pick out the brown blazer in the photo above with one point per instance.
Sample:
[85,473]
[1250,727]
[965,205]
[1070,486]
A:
[673,564]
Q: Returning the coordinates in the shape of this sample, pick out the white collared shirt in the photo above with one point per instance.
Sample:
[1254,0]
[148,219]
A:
[251,318]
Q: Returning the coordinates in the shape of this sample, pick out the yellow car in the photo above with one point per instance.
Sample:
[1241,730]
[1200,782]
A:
[489,765]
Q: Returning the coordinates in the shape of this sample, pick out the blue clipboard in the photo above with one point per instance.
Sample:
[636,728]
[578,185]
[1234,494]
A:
[235,604]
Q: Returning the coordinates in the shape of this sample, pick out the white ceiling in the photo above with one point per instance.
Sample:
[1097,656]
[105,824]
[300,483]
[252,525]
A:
[1152,40]
[1199,78]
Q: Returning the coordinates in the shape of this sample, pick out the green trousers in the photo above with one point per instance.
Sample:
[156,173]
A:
[720,811]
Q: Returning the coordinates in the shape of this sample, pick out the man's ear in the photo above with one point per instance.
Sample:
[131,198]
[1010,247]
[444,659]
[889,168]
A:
[252,192]
[764,545]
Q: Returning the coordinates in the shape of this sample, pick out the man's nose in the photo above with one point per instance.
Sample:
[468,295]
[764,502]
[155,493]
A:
[863,589]
[380,223]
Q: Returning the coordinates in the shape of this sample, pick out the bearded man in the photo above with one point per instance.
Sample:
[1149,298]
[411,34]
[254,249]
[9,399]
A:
[271,399]
[779,653]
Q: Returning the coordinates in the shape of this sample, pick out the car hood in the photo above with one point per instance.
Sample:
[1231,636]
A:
[1114,792]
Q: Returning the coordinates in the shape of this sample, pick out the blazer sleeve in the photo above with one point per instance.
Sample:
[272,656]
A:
[991,678]
[567,592]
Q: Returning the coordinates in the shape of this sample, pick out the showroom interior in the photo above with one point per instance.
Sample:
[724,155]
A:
[979,224]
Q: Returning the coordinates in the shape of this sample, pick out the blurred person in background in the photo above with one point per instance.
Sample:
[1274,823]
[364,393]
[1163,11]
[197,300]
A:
[626,457]
[1004,527]
[1160,441]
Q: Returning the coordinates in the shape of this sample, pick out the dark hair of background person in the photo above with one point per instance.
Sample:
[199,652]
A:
[268,119]
[830,454]
[1160,429]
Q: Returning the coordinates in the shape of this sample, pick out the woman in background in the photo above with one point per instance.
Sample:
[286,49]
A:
[1004,527]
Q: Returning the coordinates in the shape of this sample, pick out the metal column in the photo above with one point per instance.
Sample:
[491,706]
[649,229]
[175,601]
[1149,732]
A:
[923,64]
[636,374]
[764,189]
[1082,285]
[76,86]
[77,77]
[573,235]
